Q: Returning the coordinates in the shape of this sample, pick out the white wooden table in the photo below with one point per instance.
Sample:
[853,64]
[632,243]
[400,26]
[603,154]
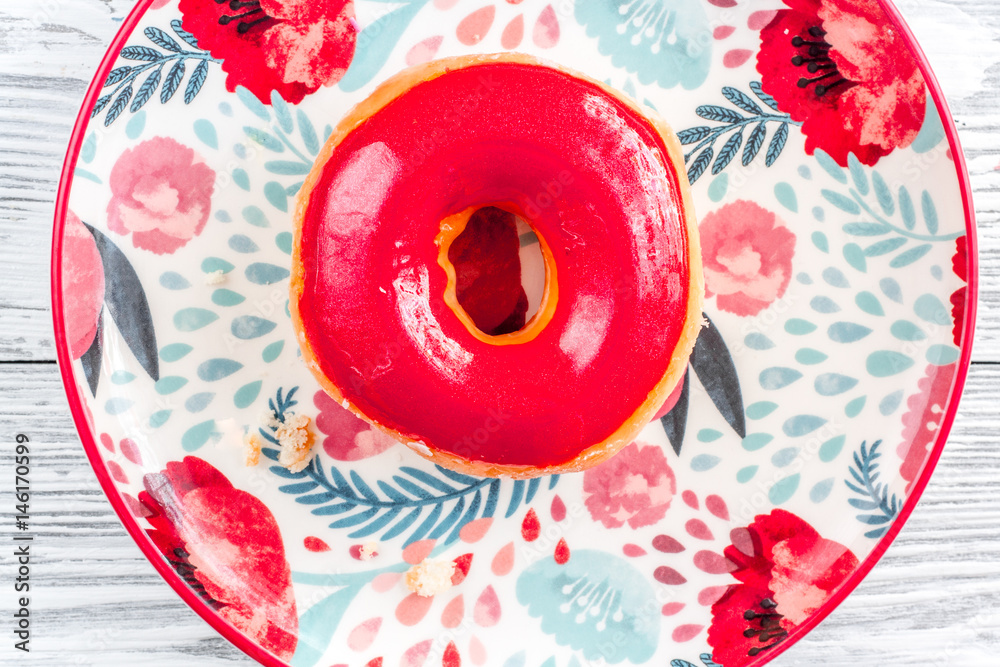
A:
[933,600]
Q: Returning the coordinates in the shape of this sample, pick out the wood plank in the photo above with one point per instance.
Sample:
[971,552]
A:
[935,594]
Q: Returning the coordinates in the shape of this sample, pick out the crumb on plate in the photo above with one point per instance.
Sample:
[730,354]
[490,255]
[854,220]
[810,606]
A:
[251,445]
[369,550]
[296,442]
[430,577]
[216,277]
[268,420]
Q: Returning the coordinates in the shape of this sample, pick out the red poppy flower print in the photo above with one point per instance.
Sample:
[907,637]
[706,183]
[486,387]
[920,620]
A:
[226,546]
[787,571]
[959,264]
[161,193]
[747,255]
[922,421]
[82,285]
[289,46]
[635,486]
[842,70]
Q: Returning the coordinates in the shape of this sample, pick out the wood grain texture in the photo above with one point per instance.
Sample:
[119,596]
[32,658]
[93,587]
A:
[933,600]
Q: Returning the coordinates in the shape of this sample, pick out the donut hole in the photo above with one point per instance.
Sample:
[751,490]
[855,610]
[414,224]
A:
[500,271]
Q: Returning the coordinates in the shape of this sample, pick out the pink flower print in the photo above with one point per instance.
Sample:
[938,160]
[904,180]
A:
[161,193]
[635,486]
[747,254]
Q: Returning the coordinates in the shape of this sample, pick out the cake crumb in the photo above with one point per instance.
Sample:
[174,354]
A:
[295,441]
[369,550]
[251,444]
[430,577]
[267,420]
[216,277]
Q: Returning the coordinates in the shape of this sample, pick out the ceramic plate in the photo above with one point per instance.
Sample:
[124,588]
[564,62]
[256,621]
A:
[839,253]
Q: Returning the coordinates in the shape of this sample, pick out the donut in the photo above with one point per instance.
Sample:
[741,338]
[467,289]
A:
[373,291]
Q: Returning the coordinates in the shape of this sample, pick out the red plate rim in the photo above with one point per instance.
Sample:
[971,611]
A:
[240,640]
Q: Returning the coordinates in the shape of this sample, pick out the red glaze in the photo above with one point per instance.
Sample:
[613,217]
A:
[593,177]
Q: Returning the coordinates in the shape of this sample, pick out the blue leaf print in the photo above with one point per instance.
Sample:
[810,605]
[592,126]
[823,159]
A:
[439,502]
[376,41]
[873,495]
[732,121]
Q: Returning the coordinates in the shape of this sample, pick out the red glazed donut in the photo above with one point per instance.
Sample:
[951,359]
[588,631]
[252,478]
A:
[373,291]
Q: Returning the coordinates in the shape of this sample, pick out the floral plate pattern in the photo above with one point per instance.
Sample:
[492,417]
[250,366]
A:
[840,263]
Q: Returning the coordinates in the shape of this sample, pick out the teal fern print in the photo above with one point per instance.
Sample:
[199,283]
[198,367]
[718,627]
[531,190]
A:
[735,122]
[886,222]
[874,499]
[291,136]
[151,63]
[419,503]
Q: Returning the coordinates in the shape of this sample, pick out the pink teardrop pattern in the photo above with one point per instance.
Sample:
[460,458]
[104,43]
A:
[666,544]
[712,563]
[117,473]
[758,20]
[108,443]
[462,565]
[736,57]
[418,551]
[315,545]
[503,561]
[477,652]
[723,31]
[424,51]
[633,550]
[412,609]
[486,613]
[474,27]
[742,540]
[709,596]
[474,531]
[531,528]
[451,657]
[130,450]
[363,636]
[669,576]
[453,612]
[717,506]
[672,608]
[513,33]
[546,31]
[690,499]
[416,655]
[562,552]
[137,509]
[685,633]
[386,581]
[698,529]
[558,509]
